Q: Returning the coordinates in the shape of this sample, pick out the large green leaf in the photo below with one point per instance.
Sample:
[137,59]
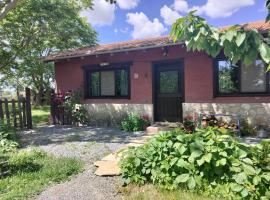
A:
[182,178]
[265,52]
[191,183]
[240,39]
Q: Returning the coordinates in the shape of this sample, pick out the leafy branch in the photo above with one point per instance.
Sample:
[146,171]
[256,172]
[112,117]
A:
[237,42]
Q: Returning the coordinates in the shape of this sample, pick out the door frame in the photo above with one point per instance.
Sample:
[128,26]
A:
[156,64]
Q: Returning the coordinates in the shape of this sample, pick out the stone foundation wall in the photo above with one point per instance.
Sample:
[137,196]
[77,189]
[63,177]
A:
[254,113]
[113,114]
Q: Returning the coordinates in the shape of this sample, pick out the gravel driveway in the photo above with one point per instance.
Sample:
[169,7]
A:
[86,143]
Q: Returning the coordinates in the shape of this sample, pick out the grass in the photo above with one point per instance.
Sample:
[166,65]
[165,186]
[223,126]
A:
[33,171]
[40,115]
[146,192]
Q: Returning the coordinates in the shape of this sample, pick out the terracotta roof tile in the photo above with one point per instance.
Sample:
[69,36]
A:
[131,45]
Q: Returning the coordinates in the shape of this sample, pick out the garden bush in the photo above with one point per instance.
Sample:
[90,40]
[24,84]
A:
[207,161]
[8,141]
[134,123]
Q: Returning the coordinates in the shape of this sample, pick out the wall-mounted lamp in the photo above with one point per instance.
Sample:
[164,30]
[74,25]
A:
[165,51]
[104,64]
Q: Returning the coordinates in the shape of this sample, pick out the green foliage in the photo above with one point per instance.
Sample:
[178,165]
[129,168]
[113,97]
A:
[35,29]
[31,171]
[40,115]
[237,43]
[72,105]
[7,140]
[207,162]
[133,123]
[247,129]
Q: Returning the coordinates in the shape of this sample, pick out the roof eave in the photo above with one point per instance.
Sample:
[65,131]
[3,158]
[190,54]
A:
[112,51]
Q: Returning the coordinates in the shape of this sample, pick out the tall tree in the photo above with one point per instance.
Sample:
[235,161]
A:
[39,28]
[7,5]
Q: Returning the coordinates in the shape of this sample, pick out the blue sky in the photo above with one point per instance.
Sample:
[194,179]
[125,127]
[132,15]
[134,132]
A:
[137,19]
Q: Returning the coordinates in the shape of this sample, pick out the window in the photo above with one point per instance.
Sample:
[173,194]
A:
[168,82]
[108,83]
[241,79]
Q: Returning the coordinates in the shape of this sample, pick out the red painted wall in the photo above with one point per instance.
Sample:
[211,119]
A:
[198,70]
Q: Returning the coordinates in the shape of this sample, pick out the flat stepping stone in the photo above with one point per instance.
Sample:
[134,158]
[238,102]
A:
[107,168]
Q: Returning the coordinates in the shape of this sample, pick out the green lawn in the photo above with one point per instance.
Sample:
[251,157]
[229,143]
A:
[33,171]
[147,192]
[40,115]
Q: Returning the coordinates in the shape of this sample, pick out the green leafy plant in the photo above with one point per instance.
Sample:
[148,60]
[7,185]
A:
[247,129]
[72,105]
[134,123]
[237,43]
[189,123]
[207,161]
[8,141]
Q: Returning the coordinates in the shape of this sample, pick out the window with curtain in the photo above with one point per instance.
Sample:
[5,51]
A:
[109,83]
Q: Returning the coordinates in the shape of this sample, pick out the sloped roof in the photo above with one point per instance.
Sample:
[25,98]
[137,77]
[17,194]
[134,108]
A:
[133,45]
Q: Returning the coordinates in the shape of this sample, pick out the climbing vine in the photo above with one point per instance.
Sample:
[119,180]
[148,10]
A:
[237,42]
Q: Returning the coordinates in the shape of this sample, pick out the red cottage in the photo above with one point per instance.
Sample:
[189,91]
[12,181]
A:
[161,79]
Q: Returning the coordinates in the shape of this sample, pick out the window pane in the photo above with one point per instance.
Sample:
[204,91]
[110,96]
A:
[168,82]
[107,83]
[227,77]
[121,83]
[253,77]
[95,84]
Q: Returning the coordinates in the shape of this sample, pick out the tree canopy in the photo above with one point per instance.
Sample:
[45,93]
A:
[39,28]
[237,43]
[7,5]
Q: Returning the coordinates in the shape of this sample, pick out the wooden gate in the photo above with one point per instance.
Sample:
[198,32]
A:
[17,113]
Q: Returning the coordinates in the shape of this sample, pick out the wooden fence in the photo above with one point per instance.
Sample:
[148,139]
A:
[59,115]
[17,113]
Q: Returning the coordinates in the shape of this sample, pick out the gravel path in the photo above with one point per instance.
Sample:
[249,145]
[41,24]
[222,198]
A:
[88,144]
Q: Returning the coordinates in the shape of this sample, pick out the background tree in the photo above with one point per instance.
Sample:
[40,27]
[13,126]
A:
[236,42]
[8,5]
[35,29]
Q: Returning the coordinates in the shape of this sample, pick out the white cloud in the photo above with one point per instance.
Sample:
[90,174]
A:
[222,8]
[169,16]
[102,13]
[143,27]
[180,5]
[128,4]
[124,30]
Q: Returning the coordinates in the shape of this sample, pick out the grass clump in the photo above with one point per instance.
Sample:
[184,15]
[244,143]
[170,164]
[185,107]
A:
[146,192]
[40,115]
[208,162]
[30,172]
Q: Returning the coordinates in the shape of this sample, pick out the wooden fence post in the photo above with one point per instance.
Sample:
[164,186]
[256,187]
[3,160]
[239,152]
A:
[7,112]
[14,113]
[24,112]
[53,107]
[28,108]
[20,111]
[1,111]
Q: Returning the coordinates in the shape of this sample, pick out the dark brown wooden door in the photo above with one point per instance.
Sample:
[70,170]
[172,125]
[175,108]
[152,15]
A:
[168,91]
